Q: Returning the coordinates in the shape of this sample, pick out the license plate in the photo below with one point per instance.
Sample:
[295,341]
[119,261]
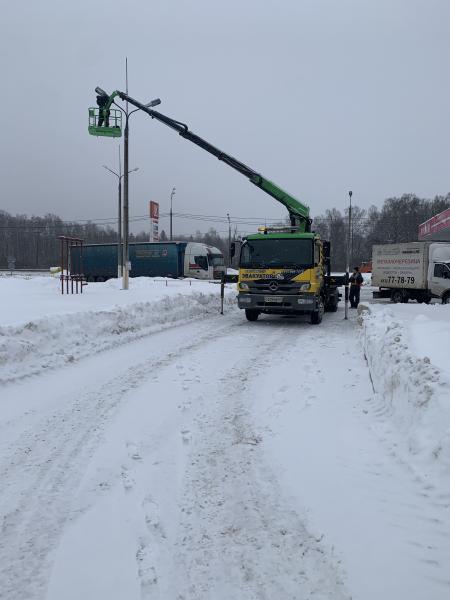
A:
[274,299]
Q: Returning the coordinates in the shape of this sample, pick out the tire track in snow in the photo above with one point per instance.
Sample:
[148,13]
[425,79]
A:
[46,465]
[237,536]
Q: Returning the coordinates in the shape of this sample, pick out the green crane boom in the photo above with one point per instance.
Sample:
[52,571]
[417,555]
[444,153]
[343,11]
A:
[298,212]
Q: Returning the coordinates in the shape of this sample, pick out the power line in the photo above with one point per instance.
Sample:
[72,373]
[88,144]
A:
[219,219]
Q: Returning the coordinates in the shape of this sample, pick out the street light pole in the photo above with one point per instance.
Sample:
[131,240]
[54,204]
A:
[347,274]
[119,222]
[125,274]
[350,229]
[171,196]
[119,176]
[125,262]
[126,220]
[119,232]
[229,240]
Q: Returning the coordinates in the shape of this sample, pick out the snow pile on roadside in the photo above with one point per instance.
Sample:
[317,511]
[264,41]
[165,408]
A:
[49,330]
[412,388]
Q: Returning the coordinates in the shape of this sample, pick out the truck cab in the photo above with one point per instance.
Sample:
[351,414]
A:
[285,273]
[439,271]
[203,262]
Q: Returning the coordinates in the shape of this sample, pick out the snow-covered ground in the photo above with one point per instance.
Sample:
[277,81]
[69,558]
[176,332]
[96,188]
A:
[153,448]
[42,329]
[408,351]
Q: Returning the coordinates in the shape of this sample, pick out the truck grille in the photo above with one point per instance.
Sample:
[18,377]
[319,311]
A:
[272,286]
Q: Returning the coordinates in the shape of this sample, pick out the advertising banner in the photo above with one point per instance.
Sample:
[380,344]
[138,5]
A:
[437,228]
[154,221]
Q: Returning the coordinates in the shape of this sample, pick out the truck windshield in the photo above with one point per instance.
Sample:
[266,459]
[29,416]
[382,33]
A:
[216,260]
[277,254]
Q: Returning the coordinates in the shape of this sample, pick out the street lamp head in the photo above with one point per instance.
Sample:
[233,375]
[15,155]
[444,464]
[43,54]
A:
[135,169]
[153,103]
[100,92]
[350,193]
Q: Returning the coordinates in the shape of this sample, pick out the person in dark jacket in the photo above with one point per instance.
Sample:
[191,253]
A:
[356,281]
[103,116]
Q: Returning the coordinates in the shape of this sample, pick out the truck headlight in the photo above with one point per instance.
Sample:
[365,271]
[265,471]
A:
[304,286]
[243,287]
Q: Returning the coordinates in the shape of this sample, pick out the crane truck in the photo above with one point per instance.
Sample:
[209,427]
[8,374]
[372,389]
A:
[282,270]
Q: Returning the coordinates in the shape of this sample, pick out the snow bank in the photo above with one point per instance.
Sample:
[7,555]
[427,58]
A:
[407,350]
[42,329]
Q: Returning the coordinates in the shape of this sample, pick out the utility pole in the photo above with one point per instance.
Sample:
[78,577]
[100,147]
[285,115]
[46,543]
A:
[229,240]
[350,229]
[126,220]
[119,224]
[347,274]
[171,196]
[125,273]
[119,176]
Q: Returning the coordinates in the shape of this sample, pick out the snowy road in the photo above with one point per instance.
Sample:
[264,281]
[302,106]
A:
[215,460]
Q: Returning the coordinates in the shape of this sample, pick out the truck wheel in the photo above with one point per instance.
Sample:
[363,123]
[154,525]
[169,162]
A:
[397,296]
[252,315]
[316,316]
[446,299]
[332,307]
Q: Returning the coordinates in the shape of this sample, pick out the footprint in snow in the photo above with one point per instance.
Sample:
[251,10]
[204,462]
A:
[127,480]
[133,451]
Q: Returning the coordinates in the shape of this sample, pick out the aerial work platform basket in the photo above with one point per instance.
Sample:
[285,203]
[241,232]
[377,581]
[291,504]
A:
[105,125]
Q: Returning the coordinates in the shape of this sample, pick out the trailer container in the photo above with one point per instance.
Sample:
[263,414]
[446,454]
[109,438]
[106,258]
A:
[412,271]
[153,259]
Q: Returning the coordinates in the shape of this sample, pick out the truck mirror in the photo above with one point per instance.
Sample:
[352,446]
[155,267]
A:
[232,249]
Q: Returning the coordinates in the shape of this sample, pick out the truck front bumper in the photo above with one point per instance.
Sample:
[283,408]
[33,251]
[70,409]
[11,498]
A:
[288,304]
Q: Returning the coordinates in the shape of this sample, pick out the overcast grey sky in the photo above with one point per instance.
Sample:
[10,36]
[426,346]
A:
[320,96]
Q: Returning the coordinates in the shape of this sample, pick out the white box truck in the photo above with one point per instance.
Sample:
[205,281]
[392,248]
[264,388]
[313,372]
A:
[412,271]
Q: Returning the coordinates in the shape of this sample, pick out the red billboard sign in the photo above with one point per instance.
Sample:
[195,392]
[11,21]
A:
[154,221]
[437,226]
[154,210]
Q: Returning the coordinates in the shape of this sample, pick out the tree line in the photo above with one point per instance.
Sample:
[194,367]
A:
[33,241]
[397,221]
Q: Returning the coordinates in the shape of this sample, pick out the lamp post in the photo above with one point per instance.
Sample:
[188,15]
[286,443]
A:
[119,176]
[229,240]
[171,196]
[348,254]
[126,219]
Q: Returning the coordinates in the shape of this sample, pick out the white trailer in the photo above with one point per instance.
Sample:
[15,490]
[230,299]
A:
[412,271]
